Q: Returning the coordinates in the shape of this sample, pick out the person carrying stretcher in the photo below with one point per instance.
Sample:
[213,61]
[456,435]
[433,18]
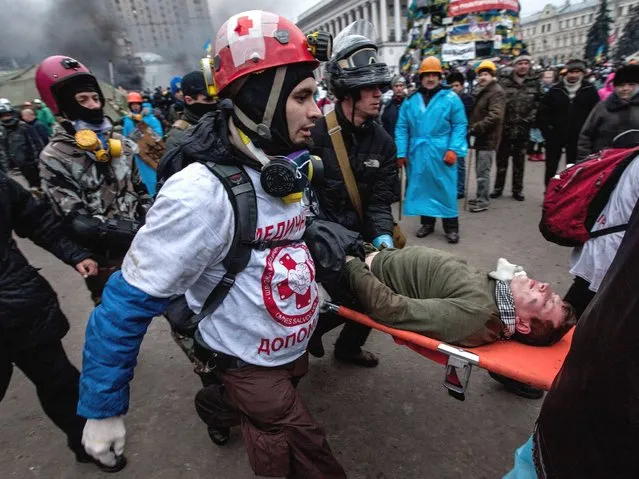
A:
[439,295]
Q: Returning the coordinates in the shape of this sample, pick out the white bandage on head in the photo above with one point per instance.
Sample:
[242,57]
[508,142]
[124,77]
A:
[506,271]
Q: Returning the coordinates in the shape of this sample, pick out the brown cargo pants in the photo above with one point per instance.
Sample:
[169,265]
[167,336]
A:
[282,439]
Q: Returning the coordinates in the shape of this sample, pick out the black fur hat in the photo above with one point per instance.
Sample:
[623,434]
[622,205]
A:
[626,74]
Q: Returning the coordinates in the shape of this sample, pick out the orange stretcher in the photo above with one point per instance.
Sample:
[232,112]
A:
[536,366]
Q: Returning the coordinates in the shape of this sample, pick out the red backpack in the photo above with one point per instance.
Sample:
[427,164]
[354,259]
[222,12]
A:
[574,201]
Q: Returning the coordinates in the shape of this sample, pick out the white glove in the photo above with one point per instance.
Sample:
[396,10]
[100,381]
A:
[324,298]
[103,439]
[506,271]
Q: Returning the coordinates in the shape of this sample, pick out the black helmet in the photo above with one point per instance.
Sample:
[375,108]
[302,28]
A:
[4,109]
[354,62]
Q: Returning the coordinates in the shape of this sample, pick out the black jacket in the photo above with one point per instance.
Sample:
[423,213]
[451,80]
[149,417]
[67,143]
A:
[373,159]
[176,135]
[469,104]
[29,310]
[559,119]
[587,426]
[607,120]
[41,132]
[18,145]
[390,115]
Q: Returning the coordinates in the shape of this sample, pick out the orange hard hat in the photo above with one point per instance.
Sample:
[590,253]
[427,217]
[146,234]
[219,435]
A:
[486,65]
[134,97]
[431,65]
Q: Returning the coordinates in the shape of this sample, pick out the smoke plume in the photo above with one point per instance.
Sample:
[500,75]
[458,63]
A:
[85,30]
[81,29]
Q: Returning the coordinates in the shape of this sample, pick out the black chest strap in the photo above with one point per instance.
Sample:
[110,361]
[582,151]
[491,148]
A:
[241,193]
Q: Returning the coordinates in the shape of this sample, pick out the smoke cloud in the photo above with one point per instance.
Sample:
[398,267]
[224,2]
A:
[81,29]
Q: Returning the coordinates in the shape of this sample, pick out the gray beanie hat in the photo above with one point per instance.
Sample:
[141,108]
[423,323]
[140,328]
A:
[398,79]
[522,58]
[576,64]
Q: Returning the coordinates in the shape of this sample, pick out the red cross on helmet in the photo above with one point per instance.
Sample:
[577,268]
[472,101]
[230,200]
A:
[253,41]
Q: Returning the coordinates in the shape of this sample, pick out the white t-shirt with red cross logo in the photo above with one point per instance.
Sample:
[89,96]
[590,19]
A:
[271,311]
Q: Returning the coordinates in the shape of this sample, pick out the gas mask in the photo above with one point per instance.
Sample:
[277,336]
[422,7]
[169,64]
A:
[88,140]
[287,177]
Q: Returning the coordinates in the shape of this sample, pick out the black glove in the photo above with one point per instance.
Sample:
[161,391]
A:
[329,243]
[112,233]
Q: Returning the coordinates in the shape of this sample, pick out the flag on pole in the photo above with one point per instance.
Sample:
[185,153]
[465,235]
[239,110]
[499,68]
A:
[208,47]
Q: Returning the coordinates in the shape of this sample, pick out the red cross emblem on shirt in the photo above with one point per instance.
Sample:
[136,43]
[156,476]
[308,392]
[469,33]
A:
[297,283]
[244,24]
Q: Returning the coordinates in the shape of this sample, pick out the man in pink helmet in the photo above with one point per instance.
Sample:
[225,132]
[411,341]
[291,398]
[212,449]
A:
[88,171]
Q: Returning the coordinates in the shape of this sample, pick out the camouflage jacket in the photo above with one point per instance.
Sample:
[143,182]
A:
[73,180]
[522,101]
[16,146]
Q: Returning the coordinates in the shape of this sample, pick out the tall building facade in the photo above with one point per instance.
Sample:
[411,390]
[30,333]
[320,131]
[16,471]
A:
[387,16]
[175,29]
[558,33]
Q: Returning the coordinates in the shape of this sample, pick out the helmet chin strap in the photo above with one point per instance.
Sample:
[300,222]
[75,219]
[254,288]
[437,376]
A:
[239,137]
[263,129]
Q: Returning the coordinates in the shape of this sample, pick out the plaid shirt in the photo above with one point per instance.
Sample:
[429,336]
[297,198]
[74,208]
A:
[506,307]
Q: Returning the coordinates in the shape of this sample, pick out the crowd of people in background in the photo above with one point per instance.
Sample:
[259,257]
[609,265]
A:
[542,114]
[540,117]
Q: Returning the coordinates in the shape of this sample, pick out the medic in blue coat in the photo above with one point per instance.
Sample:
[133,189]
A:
[430,136]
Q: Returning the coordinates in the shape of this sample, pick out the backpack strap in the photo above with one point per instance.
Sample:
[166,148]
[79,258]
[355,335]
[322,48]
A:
[607,231]
[240,191]
[335,133]
[181,124]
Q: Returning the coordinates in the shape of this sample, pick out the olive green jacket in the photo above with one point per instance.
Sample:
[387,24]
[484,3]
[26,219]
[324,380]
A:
[429,292]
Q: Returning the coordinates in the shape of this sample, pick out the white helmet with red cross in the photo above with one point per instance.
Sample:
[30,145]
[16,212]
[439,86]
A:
[253,41]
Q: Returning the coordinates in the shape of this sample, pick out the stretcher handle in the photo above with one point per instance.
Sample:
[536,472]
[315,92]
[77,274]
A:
[347,313]
[407,336]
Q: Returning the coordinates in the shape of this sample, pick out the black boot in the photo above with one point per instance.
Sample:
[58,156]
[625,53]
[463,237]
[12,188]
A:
[425,230]
[84,458]
[315,347]
[496,193]
[451,229]
[362,358]
[515,387]
[219,435]
[452,237]
[519,197]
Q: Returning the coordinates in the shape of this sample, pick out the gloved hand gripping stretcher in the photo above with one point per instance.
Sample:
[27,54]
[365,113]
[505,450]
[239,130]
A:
[536,366]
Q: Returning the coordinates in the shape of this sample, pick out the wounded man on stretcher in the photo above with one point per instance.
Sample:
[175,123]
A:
[439,295]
